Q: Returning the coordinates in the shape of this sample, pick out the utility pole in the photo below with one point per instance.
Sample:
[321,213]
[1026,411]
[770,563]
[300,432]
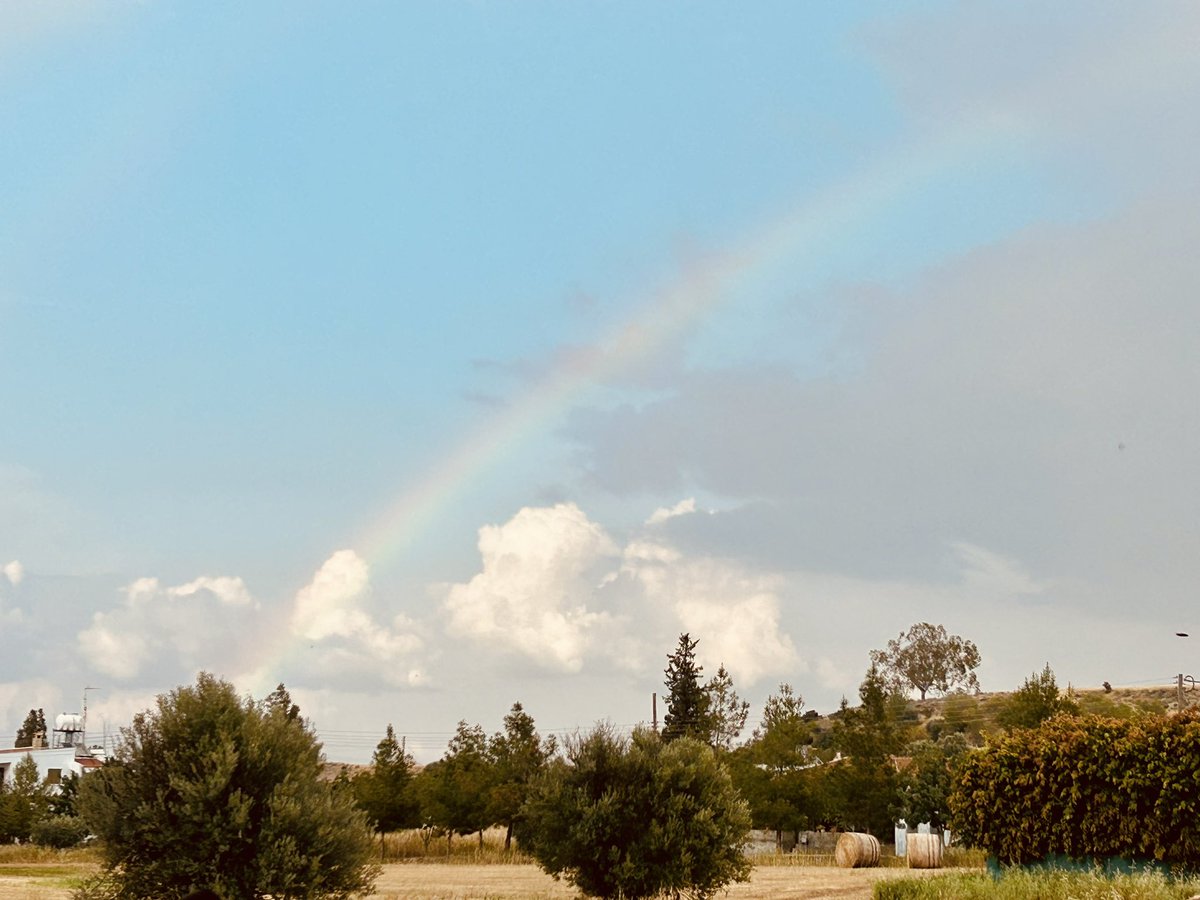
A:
[654,711]
[1179,689]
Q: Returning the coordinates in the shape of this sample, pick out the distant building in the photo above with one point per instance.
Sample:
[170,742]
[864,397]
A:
[54,763]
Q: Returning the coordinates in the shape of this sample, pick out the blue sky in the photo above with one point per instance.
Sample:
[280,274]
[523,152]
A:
[913,291]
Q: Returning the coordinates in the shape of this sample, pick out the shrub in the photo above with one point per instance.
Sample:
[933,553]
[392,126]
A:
[636,818]
[210,790]
[59,831]
[1085,788]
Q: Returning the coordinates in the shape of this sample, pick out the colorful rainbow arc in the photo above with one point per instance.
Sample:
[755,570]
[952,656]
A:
[697,292]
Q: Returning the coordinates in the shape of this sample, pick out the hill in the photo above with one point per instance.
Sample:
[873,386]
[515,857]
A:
[975,715]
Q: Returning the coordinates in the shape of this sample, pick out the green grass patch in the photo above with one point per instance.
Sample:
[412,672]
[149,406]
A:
[1016,884]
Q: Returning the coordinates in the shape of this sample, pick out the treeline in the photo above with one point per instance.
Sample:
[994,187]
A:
[861,768]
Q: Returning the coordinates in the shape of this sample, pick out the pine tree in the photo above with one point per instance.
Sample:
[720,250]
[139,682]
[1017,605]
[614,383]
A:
[688,702]
[34,724]
[455,791]
[519,754]
[384,792]
[280,701]
[727,711]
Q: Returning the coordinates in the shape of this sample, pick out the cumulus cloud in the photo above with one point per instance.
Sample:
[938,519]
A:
[329,604]
[539,572]
[331,612]
[555,588]
[735,611]
[170,629]
[14,572]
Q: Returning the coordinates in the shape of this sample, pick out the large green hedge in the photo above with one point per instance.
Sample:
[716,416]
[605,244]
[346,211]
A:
[1086,788]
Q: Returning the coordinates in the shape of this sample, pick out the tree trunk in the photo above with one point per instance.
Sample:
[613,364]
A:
[480,838]
[508,837]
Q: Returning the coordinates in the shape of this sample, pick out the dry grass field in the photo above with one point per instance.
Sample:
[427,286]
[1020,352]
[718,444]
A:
[433,881]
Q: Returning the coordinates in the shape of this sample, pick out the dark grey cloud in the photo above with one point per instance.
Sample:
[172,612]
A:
[1034,397]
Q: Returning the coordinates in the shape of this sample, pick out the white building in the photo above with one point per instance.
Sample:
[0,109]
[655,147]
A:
[54,763]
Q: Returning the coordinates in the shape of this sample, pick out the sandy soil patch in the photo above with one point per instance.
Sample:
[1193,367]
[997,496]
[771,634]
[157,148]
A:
[414,881]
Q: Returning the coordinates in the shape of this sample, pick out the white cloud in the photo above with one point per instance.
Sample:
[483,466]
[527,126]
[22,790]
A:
[171,630]
[540,571]
[14,572]
[735,612]
[682,508]
[552,583]
[347,640]
[329,605]
[230,591]
[113,646]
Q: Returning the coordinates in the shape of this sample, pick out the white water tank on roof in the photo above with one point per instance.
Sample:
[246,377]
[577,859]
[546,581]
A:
[68,722]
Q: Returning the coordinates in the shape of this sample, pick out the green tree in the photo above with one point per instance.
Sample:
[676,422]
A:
[638,818]
[211,790]
[687,713]
[23,802]
[926,658]
[927,783]
[64,803]
[1035,701]
[519,755]
[727,711]
[280,701]
[34,724]
[384,792]
[866,783]
[773,770]
[455,791]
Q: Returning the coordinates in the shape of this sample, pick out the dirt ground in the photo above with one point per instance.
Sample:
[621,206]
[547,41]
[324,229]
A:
[503,882]
[435,882]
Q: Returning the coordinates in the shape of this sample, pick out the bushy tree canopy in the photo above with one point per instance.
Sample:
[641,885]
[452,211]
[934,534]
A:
[637,818]
[774,771]
[384,791]
[1035,701]
[22,802]
[926,658]
[455,792]
[211,790]
[925,786]
[519,755]
[865,784]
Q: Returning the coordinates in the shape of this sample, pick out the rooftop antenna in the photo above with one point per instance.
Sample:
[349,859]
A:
[85,690]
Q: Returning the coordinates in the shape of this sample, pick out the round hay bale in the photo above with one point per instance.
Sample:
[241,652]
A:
[856,851]
[924,851]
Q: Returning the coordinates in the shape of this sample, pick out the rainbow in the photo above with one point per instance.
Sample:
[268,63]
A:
[799,238]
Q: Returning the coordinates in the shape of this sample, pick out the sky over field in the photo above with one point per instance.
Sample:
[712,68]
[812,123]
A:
[429,357]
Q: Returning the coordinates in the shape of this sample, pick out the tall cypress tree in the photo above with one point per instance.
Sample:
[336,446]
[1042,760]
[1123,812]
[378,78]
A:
[687,700]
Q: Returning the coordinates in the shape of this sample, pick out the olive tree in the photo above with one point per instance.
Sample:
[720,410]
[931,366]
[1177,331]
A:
[639,817]
[211,790]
